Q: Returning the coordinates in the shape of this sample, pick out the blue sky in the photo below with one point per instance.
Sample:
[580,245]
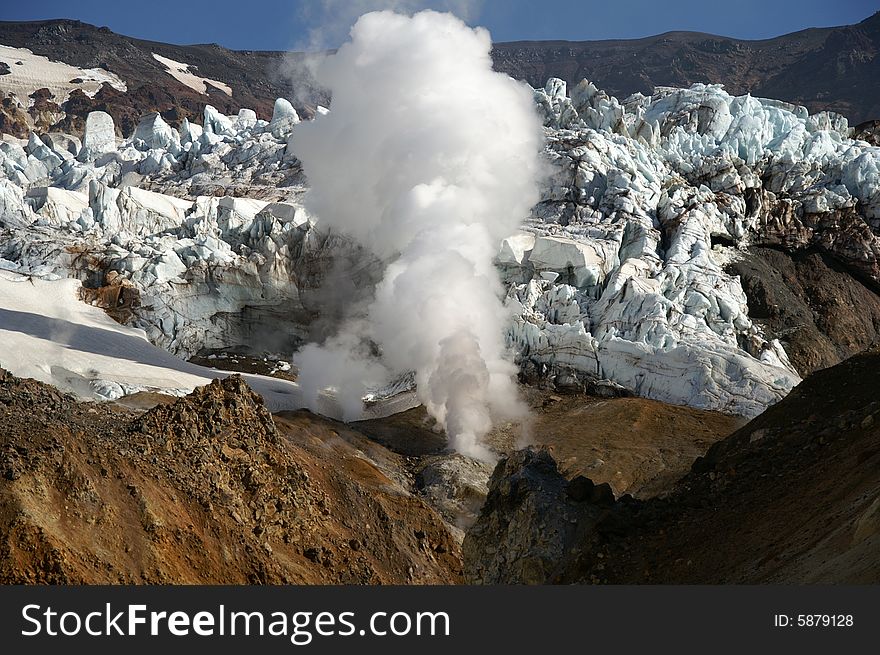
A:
[279,25]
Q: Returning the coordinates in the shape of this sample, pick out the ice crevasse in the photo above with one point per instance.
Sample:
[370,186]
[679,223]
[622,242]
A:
[619,273]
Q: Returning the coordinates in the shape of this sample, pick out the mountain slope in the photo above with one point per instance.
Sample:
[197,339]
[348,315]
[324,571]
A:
[254,77]
[823,69]
[207,489]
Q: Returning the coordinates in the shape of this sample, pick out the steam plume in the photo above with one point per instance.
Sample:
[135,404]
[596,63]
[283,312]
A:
[327,24]
[428,158]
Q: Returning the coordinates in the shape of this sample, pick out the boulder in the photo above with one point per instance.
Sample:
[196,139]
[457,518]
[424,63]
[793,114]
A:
[529,523]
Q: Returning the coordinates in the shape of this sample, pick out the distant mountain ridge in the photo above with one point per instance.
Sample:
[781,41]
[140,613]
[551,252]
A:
[833,69]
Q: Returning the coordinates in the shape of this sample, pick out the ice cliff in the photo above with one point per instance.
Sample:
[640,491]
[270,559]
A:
[618,275]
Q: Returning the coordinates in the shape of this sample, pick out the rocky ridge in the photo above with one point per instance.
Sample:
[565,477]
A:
[206,489]
[822,69]
[832,68]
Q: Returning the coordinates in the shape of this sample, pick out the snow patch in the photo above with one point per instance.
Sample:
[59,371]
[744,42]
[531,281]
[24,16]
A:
[181,72]
[50,336]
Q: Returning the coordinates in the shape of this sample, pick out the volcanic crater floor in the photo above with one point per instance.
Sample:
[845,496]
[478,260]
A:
[211,488]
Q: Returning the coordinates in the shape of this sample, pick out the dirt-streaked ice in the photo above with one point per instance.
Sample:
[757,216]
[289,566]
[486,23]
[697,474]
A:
[617,274]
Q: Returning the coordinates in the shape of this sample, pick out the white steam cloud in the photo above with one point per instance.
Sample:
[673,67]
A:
[329,21]
[327,24]
[428,158]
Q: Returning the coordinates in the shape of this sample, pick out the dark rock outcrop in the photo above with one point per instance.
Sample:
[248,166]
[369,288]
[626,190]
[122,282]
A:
[792,497]
[532,519]
[868,131]
[820,312]
[845,233]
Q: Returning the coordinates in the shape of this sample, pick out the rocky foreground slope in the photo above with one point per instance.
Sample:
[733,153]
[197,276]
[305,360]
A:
[211,488]
[791,497]
[206,489]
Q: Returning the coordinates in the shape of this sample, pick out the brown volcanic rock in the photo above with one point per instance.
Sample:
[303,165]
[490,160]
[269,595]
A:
[632,446]
[117,296]
[14,119]
[868,131]
[820,312]
[227,408]
[636,445]
[44,111]
[792,497]
[202,490]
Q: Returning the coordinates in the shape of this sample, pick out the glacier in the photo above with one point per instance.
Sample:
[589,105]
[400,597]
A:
[618,276]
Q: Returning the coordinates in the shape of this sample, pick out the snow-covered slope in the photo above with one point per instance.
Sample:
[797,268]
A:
[29,72]
[49,335]
[618,274]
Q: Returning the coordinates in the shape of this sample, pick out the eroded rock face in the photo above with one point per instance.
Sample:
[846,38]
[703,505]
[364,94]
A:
[530,521]
[14,119]
[818,310]
[206,489]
